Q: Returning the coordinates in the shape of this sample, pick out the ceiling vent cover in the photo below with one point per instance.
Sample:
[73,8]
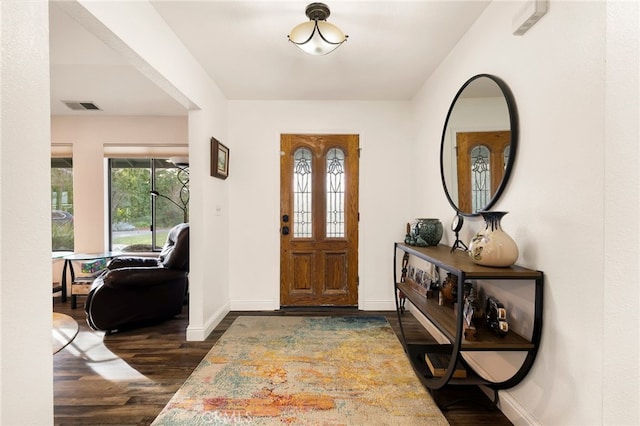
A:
[81,106]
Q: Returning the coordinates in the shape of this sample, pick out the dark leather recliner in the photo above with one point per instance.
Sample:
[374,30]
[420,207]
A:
[134,291]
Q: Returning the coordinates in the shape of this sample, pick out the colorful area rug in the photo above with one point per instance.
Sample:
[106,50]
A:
[304,371]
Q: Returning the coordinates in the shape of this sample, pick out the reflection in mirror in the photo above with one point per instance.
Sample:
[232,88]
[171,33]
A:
[478,144]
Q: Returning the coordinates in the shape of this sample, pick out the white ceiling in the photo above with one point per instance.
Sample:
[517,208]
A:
[393,47]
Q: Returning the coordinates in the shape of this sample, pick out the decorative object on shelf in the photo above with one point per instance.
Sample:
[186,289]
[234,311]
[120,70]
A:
[438,364]
[470,313]
[424,232]
[430,231]
[467,289]
[456,226]
[430,279]
[219,159]
[403,278]
[492,246]
[496,316]
[419,276]
[409,238]
[420,282]
[405,262]
[317,36]
[448,289]
[478,309]
[91,266]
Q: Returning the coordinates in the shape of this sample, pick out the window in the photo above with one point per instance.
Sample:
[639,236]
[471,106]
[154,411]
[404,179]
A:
[61,204]
[147,198]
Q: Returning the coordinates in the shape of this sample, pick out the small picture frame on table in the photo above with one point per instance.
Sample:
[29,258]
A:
[219,159]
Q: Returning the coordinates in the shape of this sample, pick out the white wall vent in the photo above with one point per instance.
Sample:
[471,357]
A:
[529,14]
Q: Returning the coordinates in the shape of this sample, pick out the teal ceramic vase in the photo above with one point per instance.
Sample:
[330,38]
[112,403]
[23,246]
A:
[428,232]
[492,246]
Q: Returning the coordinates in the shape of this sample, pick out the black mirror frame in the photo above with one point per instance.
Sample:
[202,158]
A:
[513,123]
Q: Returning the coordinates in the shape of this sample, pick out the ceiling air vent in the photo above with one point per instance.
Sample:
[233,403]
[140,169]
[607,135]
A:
[81,106]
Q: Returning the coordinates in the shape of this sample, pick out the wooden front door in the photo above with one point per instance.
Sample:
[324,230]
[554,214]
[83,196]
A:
[482,157]
[319,220]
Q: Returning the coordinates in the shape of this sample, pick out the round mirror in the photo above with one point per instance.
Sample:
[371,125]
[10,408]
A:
[478,144]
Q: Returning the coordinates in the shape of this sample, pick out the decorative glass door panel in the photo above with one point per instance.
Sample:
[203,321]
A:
[335,193]
[481,160]
[302,193]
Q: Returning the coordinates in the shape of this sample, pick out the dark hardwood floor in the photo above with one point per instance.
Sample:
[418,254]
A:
[127,378]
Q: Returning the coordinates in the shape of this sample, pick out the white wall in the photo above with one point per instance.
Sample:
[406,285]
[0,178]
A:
[563,196]
[26,365]
[254,132]
[622,198]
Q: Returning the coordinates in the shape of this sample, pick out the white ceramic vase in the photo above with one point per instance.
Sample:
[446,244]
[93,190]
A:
[492,246]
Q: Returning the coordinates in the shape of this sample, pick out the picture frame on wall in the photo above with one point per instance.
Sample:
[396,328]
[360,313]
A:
[219,159]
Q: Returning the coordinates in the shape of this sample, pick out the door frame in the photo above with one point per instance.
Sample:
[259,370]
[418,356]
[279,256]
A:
[278,301]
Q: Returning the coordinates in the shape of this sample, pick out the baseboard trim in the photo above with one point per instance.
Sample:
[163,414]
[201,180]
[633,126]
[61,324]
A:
[377,305]
[200,333]
[270,305]
[512,409]
[254,305]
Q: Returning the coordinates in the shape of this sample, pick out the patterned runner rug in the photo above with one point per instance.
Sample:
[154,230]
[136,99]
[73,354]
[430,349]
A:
[304,371]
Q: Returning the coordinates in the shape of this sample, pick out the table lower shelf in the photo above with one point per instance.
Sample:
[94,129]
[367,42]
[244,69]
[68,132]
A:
[444,318]
[416,354]
[81,286]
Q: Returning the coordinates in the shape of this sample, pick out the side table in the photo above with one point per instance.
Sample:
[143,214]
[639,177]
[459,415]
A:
[81,285]
[60,286]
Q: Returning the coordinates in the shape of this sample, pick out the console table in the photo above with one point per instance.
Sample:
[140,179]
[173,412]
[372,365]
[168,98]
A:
[80,285]
[450,323]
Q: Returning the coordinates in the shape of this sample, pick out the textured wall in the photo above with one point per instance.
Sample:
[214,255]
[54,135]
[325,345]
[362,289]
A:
[26,369]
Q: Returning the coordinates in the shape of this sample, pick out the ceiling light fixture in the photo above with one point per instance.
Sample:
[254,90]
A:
[317,37]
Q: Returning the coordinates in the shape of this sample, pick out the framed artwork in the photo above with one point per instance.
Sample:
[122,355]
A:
[219,159]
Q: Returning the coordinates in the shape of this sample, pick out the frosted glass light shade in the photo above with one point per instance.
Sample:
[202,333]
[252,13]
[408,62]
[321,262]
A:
[317,37]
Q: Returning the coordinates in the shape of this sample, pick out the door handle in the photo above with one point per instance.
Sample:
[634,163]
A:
[285,230]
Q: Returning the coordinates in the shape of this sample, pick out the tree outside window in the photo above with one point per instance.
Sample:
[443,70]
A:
[61,204]
[140,222]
